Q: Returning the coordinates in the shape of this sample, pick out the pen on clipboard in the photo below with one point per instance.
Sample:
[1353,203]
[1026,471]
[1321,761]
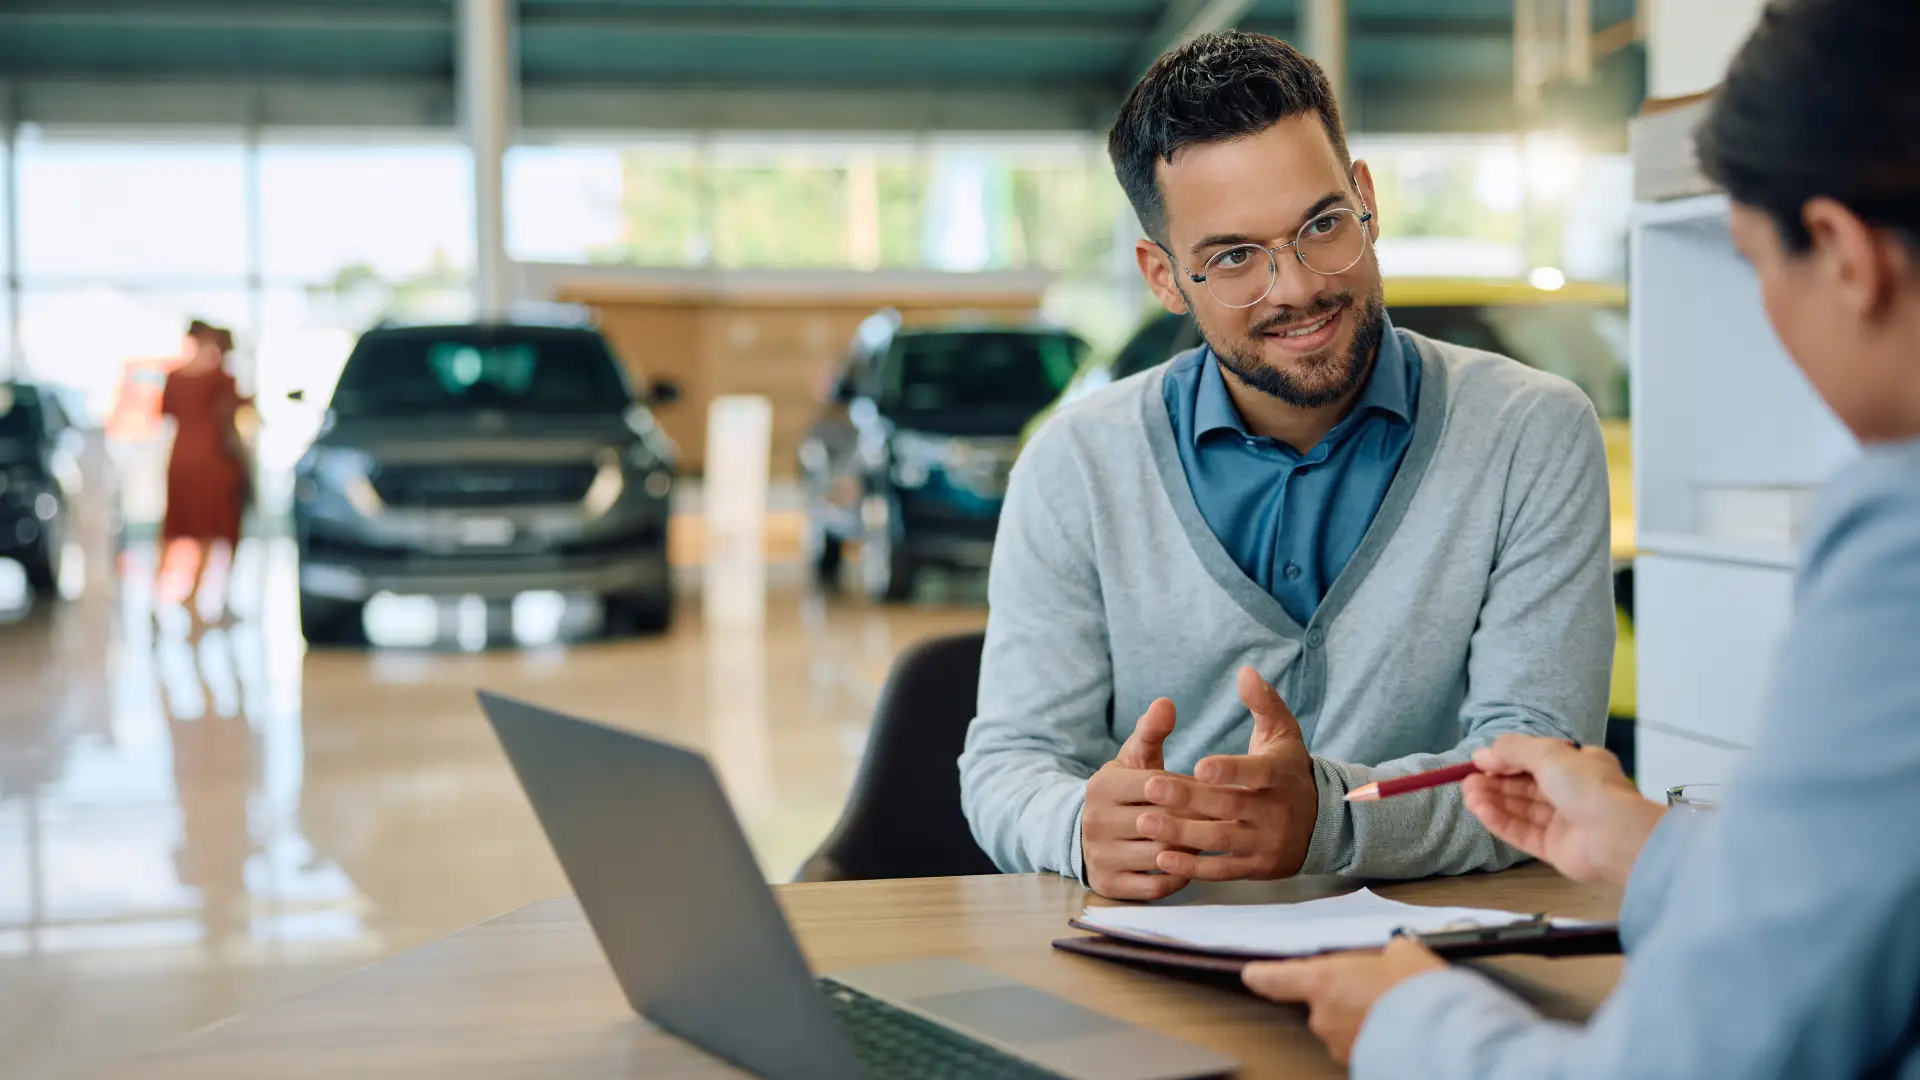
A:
[1401,785]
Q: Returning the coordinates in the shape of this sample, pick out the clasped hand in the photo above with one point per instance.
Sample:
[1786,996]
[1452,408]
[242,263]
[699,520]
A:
[1145,832]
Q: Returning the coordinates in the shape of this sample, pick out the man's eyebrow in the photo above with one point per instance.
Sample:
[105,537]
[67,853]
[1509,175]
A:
[1325,203]
[1320,206]
[1223,240]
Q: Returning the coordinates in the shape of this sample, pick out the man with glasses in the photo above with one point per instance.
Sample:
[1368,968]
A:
[1312,553]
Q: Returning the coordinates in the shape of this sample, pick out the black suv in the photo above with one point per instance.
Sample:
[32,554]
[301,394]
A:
[911,457]
[39,469]
[484,460]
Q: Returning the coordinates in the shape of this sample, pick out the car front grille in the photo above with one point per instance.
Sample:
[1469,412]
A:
[456,486]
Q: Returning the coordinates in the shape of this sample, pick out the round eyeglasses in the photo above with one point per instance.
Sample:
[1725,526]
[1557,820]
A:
[1242,276]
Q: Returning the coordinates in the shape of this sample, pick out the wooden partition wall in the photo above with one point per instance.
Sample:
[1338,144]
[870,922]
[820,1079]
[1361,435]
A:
[779,335]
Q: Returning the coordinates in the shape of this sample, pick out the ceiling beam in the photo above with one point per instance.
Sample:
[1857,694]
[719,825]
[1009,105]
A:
[363,110]
[122,16]
[1183,21]
[906,21]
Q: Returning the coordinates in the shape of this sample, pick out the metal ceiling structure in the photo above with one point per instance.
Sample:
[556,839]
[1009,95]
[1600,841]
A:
[745,65]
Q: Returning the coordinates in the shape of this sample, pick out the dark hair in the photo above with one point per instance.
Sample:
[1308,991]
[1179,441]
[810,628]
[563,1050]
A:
[1214,88]
[1823,99]
[218,336]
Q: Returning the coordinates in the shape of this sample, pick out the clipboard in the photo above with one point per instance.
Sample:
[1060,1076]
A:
[1534,937]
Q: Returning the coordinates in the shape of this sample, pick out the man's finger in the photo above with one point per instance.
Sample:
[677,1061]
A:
[1135,856]
[1176,832]
[1122,787]
[1258,771]
[1196,800]
[1128,886]
[1211,867]
[1142,748]
[1283,980]
[1273,722]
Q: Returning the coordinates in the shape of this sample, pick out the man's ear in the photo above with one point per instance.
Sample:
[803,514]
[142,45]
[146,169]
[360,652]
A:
[1864,266]
[1363,182]
[1156,266]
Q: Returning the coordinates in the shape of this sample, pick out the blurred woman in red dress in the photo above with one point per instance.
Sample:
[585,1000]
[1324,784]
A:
[208,478]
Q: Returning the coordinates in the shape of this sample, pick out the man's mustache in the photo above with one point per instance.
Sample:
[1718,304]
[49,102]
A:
[1326,305]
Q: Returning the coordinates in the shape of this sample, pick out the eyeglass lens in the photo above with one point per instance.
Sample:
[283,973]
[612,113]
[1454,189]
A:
[1328,244]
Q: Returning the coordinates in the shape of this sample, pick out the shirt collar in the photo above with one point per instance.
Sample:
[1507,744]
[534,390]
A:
[1387,391]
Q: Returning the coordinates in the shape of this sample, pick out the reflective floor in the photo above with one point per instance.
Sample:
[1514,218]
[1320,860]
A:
[189,827]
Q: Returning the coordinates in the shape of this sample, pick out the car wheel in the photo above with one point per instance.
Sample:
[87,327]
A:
[638,613]
[327,621]
[885,567]
[43,567]
[827,554]
[1623,590]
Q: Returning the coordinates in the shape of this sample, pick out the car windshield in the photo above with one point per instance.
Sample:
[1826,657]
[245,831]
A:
[943,371]
[458,369]
[1583,343]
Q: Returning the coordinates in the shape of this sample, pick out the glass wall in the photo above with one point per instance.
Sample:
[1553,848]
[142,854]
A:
[817,203]
[350,233]
[1485,207]
[294,244]
[300,241]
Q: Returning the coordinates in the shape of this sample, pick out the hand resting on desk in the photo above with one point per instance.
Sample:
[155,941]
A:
[1571,808]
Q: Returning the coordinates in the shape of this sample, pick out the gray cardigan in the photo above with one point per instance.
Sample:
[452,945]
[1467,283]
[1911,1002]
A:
[1479,603]
[1777,937]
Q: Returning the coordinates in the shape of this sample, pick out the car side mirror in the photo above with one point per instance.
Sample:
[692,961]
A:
[663,392]
[296,395]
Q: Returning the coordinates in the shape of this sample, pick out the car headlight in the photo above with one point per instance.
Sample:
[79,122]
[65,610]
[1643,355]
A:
[609,483]
[651,447]
[917,457]
[980,466]
[349,472]
[642,456]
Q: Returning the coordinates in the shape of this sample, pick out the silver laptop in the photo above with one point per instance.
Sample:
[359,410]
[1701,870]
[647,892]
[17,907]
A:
[700,947]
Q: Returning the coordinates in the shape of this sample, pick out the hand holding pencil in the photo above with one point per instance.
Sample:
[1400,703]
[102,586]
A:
[1566,805]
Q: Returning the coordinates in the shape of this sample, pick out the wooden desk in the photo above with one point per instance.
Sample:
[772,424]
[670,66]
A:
[529,995]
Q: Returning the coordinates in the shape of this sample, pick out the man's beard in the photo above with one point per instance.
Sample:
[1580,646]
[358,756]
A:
[1354,365]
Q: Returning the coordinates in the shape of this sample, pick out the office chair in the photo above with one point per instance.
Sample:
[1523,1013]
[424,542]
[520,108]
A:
[903,816]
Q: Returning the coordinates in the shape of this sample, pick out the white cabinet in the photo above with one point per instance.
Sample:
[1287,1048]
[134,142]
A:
[1721,418]
[1706,633]
[1668,759]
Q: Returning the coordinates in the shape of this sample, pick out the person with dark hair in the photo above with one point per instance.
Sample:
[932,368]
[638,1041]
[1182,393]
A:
[1344,550]
[1775,936]
[208,482]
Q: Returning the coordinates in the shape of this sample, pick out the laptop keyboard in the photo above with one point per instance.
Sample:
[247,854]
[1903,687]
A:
[894,1043]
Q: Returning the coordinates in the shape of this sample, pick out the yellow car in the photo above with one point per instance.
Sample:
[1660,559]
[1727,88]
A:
[1578,332]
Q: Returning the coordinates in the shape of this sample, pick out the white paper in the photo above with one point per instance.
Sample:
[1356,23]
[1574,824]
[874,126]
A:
[1357,920]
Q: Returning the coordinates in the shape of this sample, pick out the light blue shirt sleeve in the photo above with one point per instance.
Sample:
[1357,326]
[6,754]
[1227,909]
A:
[1653,875]
[1778,937]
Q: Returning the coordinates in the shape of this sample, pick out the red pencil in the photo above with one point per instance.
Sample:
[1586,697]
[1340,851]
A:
[1400,785]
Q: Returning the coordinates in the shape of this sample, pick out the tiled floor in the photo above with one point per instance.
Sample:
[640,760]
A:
[188,828]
